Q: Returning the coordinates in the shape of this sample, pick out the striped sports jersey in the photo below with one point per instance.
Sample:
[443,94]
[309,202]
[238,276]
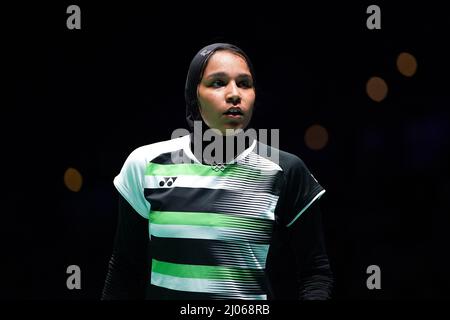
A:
[211,227]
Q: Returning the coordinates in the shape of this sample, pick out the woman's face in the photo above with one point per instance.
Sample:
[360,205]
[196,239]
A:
[226,93]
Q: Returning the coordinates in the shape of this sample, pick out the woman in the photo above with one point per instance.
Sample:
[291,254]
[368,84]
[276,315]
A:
[240,228]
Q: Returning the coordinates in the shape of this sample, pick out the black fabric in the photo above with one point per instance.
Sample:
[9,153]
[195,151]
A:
[195,74]
[297,263]
[160,293]
[307,242]
[297,253]
[129,266]
[300,188]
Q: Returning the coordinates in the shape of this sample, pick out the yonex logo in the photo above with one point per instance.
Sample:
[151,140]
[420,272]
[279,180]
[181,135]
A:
[168,181]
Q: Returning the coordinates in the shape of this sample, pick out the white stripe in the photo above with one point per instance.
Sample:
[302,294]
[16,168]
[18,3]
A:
[245,211]
[306,207]
[201,285]
[257,208]
[209,182]
[181,284]
[260,253]
[250,256]
[254,160]
[204,232]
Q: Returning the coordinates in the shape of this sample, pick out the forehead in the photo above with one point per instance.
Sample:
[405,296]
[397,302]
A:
[226,61]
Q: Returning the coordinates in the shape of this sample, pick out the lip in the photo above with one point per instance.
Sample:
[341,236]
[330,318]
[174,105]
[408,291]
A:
[234,116]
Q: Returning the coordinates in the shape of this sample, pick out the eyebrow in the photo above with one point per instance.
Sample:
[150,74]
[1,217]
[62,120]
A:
[224,74]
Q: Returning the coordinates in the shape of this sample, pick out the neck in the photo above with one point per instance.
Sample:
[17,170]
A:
[220,149]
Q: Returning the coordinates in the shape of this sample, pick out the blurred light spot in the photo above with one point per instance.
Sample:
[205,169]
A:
[73,179]
[406,64]
[376,89]
[316,137]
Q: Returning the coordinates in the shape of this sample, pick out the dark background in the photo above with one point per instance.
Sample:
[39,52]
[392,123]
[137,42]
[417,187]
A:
[86,98]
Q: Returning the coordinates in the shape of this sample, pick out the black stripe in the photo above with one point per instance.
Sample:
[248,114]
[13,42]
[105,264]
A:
[196,251]
[165,158]
[182,199]
[258,288]
[159,293]
[174,157]
[197,199]
[184,251]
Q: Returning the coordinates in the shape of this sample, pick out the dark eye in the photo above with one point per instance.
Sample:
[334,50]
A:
[217,83]
[246,84]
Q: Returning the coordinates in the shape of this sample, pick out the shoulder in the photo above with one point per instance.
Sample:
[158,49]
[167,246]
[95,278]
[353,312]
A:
[146,153]
[285,160]
[290,161]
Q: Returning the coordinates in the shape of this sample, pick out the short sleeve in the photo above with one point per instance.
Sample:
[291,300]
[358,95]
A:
[130,182]
[302,190]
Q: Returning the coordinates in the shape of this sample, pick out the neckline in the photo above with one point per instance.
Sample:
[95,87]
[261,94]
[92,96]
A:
[188,151]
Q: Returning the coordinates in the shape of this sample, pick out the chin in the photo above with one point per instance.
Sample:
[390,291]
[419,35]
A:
[232,128]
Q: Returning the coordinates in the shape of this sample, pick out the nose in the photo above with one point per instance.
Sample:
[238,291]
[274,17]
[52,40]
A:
[233,95]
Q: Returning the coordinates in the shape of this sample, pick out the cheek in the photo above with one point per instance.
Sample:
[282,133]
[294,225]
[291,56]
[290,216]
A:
[208,107]
[251,99]
[211,101]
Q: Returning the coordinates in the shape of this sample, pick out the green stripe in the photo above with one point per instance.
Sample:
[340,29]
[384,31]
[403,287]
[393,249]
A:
[204,272]
[194,169]
[207,219]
